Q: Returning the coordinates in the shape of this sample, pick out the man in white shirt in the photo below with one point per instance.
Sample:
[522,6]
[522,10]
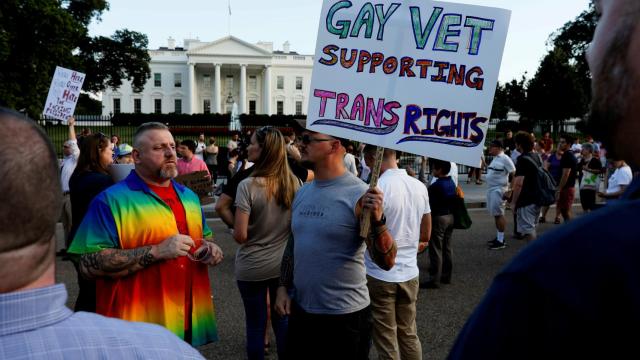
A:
[498,172]
[70,152]
[200,146]
[394,293]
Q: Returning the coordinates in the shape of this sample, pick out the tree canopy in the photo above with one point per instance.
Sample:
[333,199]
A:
[561,87]
[38,35]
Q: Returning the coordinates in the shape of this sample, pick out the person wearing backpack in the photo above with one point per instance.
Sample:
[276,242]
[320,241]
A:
[525,186]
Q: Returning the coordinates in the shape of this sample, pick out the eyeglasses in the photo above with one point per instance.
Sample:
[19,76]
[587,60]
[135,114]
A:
[306,139]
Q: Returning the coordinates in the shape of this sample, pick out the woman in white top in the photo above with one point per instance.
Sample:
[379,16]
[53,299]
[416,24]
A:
[262,228]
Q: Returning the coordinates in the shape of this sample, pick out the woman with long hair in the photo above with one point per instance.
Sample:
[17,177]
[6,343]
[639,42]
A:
[262,228]
[89,179]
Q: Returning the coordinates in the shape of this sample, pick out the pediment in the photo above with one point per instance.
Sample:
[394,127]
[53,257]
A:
[229,46]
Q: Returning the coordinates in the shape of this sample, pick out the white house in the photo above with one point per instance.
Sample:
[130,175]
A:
[208,77]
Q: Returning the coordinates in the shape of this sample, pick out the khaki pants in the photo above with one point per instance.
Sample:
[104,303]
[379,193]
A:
[393,307]
[65,218]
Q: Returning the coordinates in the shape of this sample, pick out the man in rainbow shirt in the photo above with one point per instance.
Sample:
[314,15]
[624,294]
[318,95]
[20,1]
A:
[135,239]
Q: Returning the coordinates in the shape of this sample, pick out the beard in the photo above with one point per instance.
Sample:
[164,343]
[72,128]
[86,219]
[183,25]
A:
[168,171]
[612,94]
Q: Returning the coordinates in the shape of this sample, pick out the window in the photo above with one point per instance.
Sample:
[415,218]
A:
[298,82]
[157,106]
[298,107]
[228,84]
[177,80]
[177,105]
[252,107]
[280,83]
[116,106]
[253,83]
[206,106]
[280,107]
[206,81]
[137,106]
[157,79]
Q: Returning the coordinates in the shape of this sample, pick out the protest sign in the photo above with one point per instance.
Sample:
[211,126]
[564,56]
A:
[200,183]
[63,94]
[417,76]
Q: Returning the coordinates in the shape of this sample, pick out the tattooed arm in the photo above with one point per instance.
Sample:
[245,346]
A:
[117,263]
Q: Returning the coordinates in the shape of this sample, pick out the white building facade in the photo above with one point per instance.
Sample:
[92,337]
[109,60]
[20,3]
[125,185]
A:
[209,77]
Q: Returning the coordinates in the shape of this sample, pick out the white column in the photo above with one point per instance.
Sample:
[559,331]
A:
[267,90]
[192,88]
[243,89]
[217,91]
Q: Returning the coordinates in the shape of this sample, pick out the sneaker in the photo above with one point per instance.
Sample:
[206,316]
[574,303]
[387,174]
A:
[492,241]
[497,245]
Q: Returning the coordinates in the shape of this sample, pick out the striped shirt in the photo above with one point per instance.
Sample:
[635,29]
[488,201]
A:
[36,324]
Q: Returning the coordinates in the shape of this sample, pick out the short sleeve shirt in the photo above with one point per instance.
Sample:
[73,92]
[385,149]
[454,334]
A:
[569,161]
[269,229]
[498,171]
[527,169]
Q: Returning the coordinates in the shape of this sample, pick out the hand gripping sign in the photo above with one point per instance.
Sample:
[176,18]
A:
[416,76]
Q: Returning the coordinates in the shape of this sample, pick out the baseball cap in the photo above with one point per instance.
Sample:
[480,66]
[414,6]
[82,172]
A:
[124,149]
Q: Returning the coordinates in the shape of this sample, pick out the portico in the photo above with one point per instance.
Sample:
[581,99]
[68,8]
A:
[229,71]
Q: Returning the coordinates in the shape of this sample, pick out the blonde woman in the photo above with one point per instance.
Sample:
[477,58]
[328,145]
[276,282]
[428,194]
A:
[262,227]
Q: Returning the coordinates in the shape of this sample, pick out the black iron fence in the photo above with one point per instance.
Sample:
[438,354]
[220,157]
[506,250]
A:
[186,126]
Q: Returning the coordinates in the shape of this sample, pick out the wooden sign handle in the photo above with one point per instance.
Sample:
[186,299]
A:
[365,221]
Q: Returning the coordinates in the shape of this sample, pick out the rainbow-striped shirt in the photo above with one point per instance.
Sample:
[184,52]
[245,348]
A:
[129,215]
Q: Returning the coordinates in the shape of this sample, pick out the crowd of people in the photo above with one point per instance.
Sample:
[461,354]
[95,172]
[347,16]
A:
[295,204]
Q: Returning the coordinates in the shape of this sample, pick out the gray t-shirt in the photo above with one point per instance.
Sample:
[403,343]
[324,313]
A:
[269,228]
[329,275]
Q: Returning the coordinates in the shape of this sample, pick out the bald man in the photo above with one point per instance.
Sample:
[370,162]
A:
[575,292]
[34,321]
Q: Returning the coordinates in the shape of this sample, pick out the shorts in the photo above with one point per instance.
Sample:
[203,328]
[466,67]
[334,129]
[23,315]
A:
[495,203]
[565,199]
[528,219]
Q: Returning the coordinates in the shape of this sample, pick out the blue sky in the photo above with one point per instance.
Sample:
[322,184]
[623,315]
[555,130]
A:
[296,21]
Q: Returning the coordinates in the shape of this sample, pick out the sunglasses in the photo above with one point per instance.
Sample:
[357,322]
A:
[306,139]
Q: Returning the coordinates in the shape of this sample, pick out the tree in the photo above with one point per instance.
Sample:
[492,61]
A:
[554,94]
[574,38]
[38,35]
[500,107]
[516,94]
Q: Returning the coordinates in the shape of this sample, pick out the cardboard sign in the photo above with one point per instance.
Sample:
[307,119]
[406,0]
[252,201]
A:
[63,94]
[416,76]
[199,183]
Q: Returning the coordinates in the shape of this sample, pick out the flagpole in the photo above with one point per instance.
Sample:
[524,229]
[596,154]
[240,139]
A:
[229,21]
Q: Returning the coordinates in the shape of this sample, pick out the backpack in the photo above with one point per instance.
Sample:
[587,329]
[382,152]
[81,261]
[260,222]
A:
[545,189]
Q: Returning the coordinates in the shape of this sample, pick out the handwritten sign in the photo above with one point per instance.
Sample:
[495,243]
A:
[63,93]
[416,76]
[200,183]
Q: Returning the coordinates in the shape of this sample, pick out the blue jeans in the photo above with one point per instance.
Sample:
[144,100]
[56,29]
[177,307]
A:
[254,297]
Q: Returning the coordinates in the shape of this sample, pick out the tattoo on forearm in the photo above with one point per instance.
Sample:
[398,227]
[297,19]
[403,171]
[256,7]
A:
[114,261]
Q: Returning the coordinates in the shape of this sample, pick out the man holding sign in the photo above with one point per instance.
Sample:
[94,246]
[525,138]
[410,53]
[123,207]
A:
[324,262]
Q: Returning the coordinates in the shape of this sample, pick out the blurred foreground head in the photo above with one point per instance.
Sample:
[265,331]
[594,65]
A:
[613,59]
[32,200]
